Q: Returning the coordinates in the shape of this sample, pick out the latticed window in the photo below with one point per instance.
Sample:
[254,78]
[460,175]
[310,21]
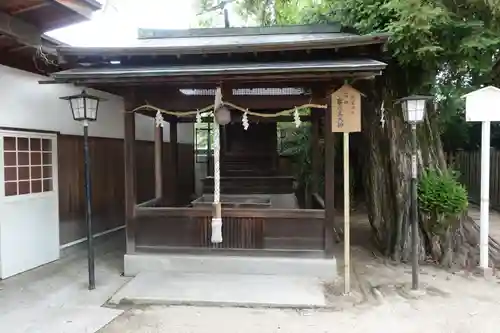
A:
[27,165]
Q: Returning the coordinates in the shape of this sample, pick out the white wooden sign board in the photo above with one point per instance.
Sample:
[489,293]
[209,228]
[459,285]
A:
[483,104]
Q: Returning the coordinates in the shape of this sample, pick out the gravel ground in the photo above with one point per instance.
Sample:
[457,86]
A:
[439,316]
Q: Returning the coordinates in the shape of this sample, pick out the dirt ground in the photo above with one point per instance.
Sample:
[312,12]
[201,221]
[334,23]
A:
[381,301]
[54,298]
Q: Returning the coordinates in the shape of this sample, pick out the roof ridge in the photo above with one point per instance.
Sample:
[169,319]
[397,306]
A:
[238,31]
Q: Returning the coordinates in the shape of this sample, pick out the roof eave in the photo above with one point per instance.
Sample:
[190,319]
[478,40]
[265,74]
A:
[350,41]
[143,74]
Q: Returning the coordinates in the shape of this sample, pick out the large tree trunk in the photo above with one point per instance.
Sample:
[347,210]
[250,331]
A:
[387,180]
[388,175]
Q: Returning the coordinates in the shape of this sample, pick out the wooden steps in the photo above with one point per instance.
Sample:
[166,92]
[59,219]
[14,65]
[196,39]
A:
[251,185]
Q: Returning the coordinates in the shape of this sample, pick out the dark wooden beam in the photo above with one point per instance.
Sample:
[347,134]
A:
[286,214]
[23,59]
[82,8]
[130,174]
[233,85]
[29,8]
[315,150]
[180,102]
[174,158]
[20,30]
[19,48]
[329,225]
[161,87]
[305,78]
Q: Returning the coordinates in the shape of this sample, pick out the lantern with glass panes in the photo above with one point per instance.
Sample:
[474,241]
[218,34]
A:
[83,106]
[414,107]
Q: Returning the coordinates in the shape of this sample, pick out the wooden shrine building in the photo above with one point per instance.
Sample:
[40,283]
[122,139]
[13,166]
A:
[260,69]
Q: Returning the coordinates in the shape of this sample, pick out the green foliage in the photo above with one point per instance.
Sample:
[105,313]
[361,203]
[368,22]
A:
[440,47]
[455,39]
[441,196]
[296,145]
[206,16]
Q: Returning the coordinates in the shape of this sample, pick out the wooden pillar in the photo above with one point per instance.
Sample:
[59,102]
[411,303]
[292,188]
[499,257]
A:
[130,178]
[158,162]
[174,158]
[329,224]
[315,150]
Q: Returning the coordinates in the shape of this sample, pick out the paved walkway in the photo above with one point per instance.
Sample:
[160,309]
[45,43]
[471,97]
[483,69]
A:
[54,298]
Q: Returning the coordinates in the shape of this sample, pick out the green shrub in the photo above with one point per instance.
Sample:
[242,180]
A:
[441,196]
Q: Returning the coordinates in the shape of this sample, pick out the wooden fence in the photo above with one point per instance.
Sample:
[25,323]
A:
[468,164]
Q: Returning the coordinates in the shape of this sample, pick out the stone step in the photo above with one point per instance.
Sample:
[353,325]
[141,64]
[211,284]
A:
[298,243]
[161,288]
[322,268]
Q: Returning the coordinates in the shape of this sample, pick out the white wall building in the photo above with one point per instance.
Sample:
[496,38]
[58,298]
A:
[32,120]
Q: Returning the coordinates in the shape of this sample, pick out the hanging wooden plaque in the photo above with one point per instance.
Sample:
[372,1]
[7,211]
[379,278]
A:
[346,110]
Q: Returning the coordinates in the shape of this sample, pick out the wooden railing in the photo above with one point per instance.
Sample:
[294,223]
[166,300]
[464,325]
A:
[256,229]
[150,203]
[251,185]
[318,201]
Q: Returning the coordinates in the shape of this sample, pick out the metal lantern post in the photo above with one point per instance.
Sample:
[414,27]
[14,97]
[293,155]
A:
[414,112]
[84,109]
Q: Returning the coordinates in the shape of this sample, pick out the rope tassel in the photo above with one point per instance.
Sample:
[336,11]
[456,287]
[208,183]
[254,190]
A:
[244,121]
[296,118]
[198,117]
[159,119]
[216,230]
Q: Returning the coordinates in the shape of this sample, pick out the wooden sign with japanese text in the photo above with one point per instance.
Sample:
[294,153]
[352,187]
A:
[346,110]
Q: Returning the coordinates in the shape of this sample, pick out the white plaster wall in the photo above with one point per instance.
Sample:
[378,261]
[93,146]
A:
[26,104]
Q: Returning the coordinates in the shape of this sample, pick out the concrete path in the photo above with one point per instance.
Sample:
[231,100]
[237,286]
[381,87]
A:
[169,288]
[54,298]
